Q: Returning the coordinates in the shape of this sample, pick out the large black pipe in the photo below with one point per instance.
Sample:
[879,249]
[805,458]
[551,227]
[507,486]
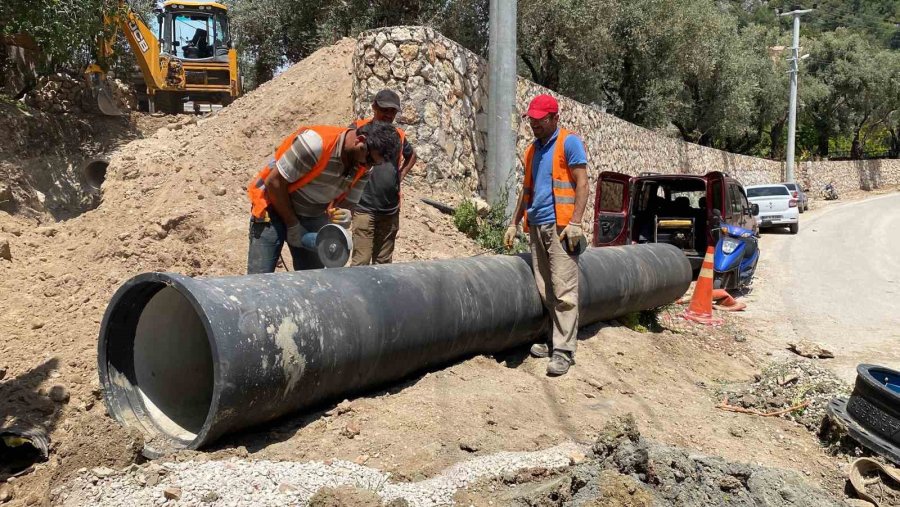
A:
[188,360]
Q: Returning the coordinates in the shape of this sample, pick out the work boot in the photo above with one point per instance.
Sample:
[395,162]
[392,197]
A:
[560,363]
[540,350]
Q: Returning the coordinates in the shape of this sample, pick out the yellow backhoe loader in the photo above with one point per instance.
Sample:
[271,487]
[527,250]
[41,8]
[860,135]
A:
[189,58]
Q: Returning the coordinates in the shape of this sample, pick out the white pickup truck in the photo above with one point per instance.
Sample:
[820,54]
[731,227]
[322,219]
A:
[777,207]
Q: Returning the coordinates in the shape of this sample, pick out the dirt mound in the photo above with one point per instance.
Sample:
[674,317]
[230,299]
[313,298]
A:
[173,201]
[627,469]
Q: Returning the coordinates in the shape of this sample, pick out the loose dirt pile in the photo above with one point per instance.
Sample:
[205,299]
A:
[626,469]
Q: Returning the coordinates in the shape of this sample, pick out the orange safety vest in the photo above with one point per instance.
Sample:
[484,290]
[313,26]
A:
[361,123]
[331,136]
[562,180]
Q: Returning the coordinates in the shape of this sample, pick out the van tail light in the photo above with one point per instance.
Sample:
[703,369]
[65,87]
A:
[794,193]
[792,203]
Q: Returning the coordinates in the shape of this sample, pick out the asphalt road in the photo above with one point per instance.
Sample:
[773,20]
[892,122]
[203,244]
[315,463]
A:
[836,283]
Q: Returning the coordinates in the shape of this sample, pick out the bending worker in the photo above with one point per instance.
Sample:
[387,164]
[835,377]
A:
[313,169]
[376,218]
[553,198]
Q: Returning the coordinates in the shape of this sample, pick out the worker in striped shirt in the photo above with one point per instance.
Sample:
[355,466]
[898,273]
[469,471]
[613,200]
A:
[314,170]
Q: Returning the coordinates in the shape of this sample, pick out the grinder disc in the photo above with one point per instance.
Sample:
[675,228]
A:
[333,245]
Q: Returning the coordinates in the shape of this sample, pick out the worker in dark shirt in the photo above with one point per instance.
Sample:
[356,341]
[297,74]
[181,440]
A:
[376,218]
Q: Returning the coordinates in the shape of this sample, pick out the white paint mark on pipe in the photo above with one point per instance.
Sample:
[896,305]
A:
[292,362]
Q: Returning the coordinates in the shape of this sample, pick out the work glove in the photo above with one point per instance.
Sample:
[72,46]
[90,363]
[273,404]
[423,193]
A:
[573,235]
[340,216]
[510,236]
[295,235]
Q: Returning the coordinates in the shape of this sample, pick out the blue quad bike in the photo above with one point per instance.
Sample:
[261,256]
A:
[735,258]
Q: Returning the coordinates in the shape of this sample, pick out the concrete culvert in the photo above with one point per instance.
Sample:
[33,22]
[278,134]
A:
[94,172]
[188,360]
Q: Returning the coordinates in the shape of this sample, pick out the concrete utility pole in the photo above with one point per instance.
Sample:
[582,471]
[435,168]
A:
[501,138]
[796,12]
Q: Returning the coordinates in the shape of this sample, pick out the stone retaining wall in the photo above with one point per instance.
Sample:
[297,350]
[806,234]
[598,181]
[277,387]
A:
[443,88]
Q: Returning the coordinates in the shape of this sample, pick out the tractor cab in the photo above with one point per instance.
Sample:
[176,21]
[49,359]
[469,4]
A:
[194,31]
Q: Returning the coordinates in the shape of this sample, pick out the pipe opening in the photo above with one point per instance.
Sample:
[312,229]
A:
[95,174]
[159,362]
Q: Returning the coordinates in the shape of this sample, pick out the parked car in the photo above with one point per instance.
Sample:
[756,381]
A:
[798,193]
[777,207]
[669,208]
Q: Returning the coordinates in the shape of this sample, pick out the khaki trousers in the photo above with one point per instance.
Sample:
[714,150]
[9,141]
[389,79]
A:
[556,274]
[373,238]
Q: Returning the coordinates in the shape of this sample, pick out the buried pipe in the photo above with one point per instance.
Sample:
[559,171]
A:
[94,172]
[188,360]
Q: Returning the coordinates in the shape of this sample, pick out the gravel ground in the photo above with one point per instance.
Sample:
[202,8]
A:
[238,482]
[788,383]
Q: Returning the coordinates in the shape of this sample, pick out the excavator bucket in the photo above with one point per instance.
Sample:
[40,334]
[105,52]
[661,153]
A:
[100,90]
[105,100]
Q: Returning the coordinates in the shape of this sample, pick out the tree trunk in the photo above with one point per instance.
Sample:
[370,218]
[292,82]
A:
[776,140]
[856,152]
[894,149]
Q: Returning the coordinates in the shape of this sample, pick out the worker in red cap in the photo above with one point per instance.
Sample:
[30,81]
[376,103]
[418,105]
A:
[552,202]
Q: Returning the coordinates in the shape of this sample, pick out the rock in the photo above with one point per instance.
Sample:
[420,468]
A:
[409,52]
[13,229]
[748,401]
[777,402]
[152,479]
[5,252]
[210,497]
[220,191]
[286,489]
[788,379]
[576,458]
[468,446]
[341,408]
[103,472]
[737,431]
[380,40]
[382,69]
[809,349]
[729,483]
[6,493]
[432,114]
[362,459]
[401,34]
[398,69]
[59,394]
[49,231]
[595,384]
[389,51]
[172,493]
[350,430]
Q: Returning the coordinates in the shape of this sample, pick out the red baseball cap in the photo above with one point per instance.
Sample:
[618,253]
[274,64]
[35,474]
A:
[541,106]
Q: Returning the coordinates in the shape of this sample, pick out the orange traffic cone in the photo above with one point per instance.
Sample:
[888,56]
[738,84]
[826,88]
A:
[700,309]
[724,301]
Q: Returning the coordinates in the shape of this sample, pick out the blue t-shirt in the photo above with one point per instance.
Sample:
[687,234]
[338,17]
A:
[541,211]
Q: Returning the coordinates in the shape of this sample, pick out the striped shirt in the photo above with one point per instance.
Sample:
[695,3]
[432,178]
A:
[312,199]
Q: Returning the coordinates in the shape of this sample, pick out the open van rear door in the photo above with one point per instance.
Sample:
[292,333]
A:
[611,209]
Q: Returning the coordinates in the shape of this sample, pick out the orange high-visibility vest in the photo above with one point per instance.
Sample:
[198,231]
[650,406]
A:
[331,136]
[361,123]
[562,180]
